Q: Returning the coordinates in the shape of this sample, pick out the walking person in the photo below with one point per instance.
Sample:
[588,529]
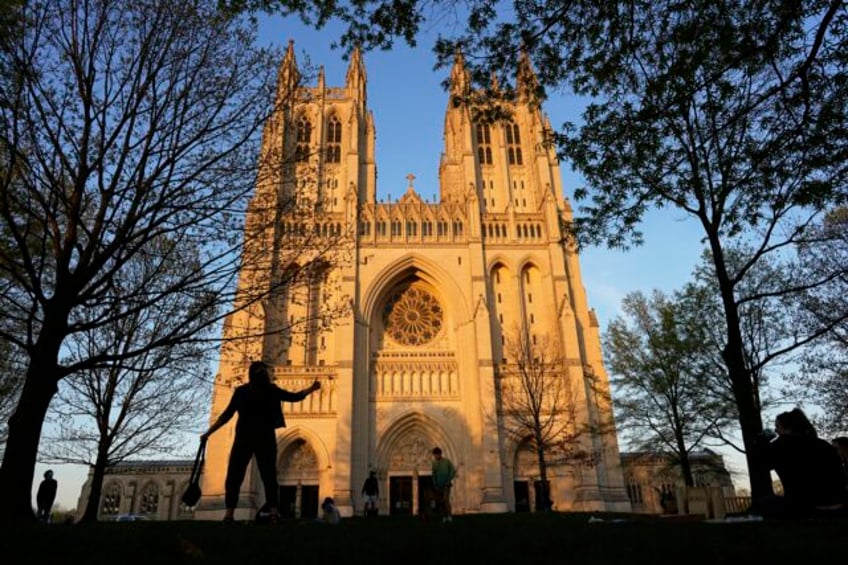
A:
[45,496]
[260,412]
[443,475]
[371,493]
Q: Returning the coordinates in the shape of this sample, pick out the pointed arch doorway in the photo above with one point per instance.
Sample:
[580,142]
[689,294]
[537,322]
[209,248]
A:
[405,461]
[410,485]
[299,478]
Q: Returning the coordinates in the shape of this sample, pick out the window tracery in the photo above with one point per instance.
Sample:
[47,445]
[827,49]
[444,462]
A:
[304,137]
[149,499]
[334,140]
[484,144]
[111,500]
[412,316]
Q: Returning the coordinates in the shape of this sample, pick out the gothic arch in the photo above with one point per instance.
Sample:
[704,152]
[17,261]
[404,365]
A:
[111,498]
[498,260]
[404,435]
[529,260]
[425,269]
[291,436]
[522,459]
[151,498]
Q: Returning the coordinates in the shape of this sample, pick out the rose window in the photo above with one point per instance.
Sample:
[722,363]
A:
[412,317]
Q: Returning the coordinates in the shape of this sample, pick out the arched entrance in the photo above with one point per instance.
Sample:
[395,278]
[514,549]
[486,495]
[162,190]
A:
[530,494]
[299,479]
[404,457]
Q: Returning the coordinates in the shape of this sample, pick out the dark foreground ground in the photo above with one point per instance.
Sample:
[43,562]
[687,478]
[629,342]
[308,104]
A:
[505,538]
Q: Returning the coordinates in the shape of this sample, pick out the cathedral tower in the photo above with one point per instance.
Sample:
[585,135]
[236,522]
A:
[406,310]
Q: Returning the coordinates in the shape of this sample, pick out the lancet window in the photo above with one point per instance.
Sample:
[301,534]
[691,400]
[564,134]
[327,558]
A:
[484,144]
[111,500]
[513,144]
[334,140]
[304,137]
[149,499]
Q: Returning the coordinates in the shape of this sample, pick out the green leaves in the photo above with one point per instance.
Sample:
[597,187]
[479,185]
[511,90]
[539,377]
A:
[669,392]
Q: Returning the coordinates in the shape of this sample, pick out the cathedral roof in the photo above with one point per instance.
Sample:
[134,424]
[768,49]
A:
[149,465]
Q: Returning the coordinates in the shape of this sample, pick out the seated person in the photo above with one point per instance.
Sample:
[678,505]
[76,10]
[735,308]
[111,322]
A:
[808,467]
[331,513]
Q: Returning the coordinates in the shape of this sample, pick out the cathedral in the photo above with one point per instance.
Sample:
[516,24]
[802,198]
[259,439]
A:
[407,312]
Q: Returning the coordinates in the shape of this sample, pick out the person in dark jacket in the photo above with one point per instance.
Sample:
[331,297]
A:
[45,496]
[260,412]
[371,492]
[808,467]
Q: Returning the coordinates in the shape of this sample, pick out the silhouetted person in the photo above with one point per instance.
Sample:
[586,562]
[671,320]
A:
[260,412]
[443,475]
[371,493]
[808,467]
[841,445]
[45,496]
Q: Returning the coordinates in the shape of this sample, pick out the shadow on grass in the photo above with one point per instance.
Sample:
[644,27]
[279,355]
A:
[502,538]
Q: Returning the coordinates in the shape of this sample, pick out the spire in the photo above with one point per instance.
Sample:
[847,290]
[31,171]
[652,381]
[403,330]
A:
[526,80]
[356,69]
[321,79]
[460,79]
[356,77]
[288,76]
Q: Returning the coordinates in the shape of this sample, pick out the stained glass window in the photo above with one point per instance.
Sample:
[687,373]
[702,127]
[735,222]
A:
[412,316]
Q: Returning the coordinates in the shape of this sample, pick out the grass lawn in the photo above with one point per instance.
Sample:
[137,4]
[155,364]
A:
[503,538]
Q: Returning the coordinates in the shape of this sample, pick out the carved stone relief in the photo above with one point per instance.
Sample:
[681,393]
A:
[412,452]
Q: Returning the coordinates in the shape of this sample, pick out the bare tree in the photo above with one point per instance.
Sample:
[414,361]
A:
[132,405]
[538,408]
[10,382]
[127,129]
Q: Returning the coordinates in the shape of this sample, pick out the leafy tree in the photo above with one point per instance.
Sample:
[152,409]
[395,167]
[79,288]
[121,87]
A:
[823,377]
[121,125]
[771,299]
[537,406]
[659,353]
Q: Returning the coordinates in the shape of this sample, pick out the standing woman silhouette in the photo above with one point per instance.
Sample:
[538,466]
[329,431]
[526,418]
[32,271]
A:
[260,412]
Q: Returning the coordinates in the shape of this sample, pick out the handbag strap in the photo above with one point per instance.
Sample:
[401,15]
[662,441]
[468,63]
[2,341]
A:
[198,463]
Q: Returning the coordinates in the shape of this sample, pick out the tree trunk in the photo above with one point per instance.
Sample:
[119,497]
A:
[40,385]
[543,497]
[18,468]
[93,504]
[751,423]
[686,468]
[750,420]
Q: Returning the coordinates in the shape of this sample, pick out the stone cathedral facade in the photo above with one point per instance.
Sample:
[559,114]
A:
[403,310]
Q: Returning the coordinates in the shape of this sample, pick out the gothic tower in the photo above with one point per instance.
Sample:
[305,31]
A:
[406,310]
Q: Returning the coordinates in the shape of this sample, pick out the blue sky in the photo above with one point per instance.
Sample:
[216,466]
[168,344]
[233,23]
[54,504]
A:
[409,103]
